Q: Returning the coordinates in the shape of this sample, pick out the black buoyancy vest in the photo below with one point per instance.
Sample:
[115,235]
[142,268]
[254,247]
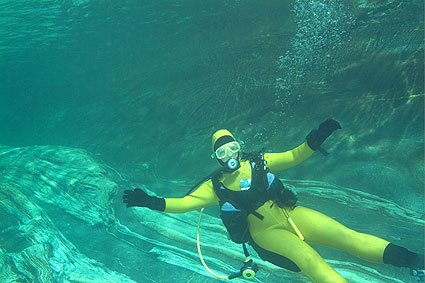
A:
[235,206]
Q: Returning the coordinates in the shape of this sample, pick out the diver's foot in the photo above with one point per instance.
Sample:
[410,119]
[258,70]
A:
[420,273]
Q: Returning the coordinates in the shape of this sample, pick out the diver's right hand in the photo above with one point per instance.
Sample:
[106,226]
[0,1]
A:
[138,197]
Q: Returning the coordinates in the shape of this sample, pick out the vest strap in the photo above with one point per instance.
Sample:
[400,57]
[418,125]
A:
[258,215]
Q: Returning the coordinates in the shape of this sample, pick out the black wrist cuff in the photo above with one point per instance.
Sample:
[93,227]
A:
[157,203]
[312,140]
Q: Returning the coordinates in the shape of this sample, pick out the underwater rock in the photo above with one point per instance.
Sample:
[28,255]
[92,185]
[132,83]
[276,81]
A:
[66,177]
[33,250]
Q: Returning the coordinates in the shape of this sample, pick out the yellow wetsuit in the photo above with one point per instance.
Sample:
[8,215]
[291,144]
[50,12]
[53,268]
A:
[274,239]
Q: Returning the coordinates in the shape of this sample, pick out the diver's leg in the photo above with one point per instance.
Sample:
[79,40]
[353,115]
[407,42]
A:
[288,245]
[319,229]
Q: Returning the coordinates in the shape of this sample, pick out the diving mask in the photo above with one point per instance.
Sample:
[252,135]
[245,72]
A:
[227,149]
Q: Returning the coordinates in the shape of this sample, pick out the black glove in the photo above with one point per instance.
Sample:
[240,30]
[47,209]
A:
[316,137]
[138,197]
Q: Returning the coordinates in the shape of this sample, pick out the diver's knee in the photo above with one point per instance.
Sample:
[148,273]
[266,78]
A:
[351,240]
[319,270]
[350,235]
[312,265]
[328,276]
[309,263]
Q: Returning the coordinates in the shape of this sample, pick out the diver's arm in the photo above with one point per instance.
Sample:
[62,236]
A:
[284,160]
[204,196]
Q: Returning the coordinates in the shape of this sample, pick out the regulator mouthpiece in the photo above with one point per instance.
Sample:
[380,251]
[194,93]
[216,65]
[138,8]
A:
[232,164]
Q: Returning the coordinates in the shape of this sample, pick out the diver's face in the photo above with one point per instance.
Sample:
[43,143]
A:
[228,151]
[230,156]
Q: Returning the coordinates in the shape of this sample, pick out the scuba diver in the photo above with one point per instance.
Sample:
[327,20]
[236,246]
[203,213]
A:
[257,209]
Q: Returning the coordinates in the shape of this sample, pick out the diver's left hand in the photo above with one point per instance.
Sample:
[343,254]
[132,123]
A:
[140,198]
[316,137]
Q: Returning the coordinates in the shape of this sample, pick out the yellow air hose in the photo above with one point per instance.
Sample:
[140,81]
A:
[291,222]
[199,250]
